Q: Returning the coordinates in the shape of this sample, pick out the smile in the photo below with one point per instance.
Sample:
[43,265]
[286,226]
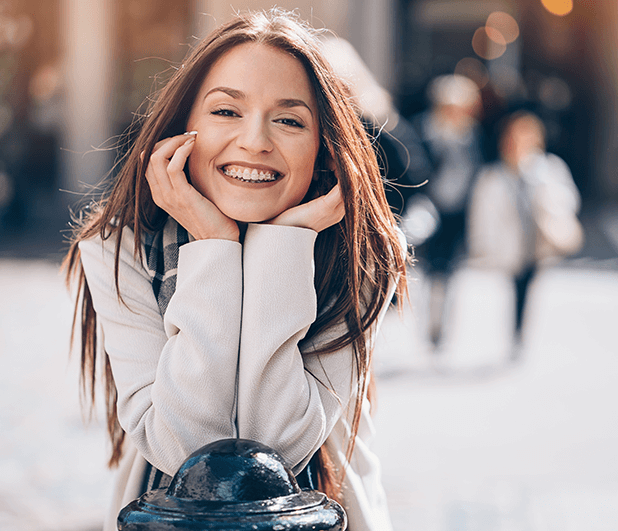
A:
[250,175]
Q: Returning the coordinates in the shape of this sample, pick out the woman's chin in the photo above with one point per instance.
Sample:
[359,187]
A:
[249,216]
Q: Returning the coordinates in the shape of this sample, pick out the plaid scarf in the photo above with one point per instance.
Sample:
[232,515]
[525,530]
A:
[162,250]
[161,253]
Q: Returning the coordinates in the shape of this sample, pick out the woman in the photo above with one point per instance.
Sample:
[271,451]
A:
[253,259]
[523,209]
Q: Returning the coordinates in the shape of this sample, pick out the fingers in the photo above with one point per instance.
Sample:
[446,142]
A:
[173,193]
[334,206]
[334,198]
[165,149]
[175,149]
[175,168]
[167,146]
[164,172]
[318,214]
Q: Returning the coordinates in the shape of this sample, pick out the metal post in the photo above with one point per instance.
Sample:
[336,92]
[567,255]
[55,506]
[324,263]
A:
[233,485]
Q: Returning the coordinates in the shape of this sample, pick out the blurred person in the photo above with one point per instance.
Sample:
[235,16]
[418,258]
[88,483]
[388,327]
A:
[240,268]
[523,208]
[451,134]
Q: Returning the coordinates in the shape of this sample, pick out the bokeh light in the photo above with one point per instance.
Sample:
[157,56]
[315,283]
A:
[558,7]
[488,43]
[495,36]
[45,83]
[15,31]
[474,69]
[503,23]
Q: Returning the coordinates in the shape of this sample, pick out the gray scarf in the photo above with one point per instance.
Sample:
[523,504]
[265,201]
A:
[162,250]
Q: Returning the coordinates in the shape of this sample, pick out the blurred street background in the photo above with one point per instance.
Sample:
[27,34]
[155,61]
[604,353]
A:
[481,424]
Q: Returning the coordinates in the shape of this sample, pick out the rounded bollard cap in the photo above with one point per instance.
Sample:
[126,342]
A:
[233,470]
[233,485]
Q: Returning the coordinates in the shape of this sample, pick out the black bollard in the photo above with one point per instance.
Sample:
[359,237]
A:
[233,485]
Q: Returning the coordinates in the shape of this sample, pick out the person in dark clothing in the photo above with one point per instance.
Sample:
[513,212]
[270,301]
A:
[451,135]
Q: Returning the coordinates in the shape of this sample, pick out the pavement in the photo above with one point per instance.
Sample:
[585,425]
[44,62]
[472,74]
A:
[52,463]
[470,438]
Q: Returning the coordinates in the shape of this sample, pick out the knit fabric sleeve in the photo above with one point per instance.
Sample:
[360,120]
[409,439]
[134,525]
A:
[286,400]
[175,376]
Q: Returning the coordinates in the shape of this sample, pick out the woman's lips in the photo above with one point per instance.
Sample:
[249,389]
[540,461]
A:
[250,175]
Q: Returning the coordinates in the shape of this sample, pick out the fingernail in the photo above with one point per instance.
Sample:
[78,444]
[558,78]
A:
[191,133]
[189,140]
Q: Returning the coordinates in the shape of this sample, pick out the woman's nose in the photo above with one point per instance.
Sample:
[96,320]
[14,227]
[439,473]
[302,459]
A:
[254,136]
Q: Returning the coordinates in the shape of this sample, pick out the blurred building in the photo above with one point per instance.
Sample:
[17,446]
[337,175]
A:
[73,73]
[558,56]
[77,72]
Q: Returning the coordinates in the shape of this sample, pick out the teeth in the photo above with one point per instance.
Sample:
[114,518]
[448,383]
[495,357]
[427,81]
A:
[249,175]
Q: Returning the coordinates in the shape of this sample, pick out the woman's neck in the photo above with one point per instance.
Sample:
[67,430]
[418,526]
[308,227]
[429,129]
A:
[242,227]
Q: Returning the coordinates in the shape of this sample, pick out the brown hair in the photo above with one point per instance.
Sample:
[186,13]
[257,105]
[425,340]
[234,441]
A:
[361,251]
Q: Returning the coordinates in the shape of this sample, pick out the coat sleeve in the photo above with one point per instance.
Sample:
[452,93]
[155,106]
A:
[556,203]
[176,377]
[495,236]
[287,399]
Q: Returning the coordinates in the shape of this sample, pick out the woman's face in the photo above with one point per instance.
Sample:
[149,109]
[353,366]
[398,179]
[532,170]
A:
[257,133]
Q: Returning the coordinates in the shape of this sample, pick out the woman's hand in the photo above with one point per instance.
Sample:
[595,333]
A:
[172,192]
[318,214]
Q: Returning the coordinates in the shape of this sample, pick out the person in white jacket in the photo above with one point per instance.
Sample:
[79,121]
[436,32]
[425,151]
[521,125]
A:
[523,208]
[239,268]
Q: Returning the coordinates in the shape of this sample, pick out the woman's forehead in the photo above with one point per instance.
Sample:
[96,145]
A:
[260,68]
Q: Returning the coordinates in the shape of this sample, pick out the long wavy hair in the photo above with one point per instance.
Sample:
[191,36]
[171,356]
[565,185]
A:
[356,261]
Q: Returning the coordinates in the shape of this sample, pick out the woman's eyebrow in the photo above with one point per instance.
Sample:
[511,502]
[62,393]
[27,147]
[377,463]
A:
[293,102]
[233,93]
[240,95]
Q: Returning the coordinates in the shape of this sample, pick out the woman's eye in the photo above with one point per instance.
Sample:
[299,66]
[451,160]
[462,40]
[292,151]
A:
[224,112]
[291,122]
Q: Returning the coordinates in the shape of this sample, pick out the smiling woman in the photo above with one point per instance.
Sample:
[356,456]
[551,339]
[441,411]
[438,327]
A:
[257,133]
[239,269]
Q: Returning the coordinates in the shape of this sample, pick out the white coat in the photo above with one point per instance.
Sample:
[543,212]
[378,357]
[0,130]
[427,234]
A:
[196,375]
[498,236]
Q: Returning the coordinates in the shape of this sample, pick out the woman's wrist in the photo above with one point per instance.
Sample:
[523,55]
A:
[214,233]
